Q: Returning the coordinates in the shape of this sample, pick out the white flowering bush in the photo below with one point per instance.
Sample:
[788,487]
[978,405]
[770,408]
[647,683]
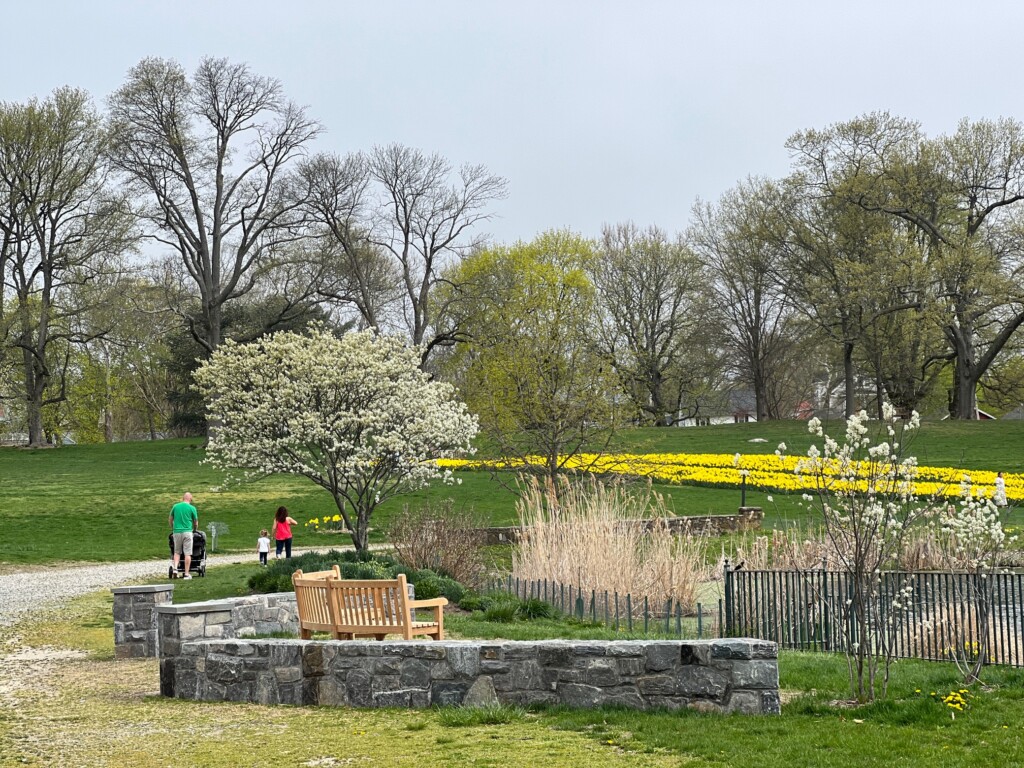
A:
[864,492]
[865,496]
[354,414]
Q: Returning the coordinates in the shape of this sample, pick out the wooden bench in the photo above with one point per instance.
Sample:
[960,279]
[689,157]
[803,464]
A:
[373,608]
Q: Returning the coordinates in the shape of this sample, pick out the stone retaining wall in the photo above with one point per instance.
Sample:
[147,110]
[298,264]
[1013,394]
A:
[736,675]
[135,619]
[225,619]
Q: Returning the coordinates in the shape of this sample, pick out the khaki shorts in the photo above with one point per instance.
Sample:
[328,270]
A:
[183,543]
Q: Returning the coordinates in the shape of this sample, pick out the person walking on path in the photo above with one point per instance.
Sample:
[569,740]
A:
[183,521]
[999,497]
[263,546]
[283,532]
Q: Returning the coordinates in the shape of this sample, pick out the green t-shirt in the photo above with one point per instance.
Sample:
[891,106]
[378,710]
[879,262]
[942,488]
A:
[184,515]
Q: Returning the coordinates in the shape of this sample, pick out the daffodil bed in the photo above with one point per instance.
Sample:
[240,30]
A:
[768,472]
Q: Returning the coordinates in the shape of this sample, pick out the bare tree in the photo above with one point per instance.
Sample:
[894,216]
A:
[61,228]
[650,293]
[209,156]
[399,203]
[753,308]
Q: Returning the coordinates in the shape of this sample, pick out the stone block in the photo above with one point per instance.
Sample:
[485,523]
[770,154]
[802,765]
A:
[770,703]
[755,674]
[528,698]
[480,694]
[762,649]
[398,698]
[626,697]
[744,702]
[662,656]
[602,673]
[215,631]
[580,696]
[695,654]
[627,648]
[224,669]
[555,655]
[358,686]
[732,649]
[702,682]
[657,685]
[288,674]
[266,690]
[447,694]
[381,683]
[385,666]
[464,660]
[630,666]
[490,652]
[519,651]
[495,667]
[590,649]
[191,627]
[415,674]
[218,617]
[441,670]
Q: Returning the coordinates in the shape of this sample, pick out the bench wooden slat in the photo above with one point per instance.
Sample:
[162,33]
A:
[349,608]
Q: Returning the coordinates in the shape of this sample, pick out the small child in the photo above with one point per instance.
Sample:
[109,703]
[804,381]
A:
[263,546]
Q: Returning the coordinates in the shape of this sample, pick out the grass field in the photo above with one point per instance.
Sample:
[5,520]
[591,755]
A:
[110,502]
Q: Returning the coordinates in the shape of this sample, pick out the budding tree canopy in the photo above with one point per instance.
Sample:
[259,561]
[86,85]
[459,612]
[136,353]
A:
[354,414]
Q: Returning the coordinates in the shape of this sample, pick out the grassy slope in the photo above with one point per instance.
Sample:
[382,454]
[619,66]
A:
[110,502]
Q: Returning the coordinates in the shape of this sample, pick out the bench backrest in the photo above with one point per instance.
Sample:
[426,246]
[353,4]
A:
[371,603]
[312,598]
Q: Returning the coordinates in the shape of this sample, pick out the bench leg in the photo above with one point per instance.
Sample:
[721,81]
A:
[306,634]
[380,637]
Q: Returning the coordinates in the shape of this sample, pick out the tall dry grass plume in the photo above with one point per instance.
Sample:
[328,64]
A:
[590,535]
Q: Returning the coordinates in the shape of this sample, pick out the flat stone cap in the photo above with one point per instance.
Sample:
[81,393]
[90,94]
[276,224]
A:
[143,589]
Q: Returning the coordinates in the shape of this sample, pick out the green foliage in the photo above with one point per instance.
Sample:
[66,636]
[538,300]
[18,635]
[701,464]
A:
[502,610]
[462,717]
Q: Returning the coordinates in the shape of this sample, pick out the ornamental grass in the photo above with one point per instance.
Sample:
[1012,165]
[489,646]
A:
[590,535]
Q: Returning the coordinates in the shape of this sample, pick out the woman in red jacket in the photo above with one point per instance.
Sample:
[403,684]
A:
[283,532]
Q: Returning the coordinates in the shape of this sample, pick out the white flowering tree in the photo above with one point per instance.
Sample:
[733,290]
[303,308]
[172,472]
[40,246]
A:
[865,497]
[972,539]
[354,414]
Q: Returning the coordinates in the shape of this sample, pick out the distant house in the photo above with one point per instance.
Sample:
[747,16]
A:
[1017,414]
[731,407]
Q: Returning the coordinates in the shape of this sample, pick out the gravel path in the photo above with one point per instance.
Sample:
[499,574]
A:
[45,587]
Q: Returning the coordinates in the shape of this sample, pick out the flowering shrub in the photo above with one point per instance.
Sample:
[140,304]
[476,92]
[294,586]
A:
[354,414]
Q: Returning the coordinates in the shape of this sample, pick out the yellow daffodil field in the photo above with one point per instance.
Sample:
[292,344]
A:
[768,472]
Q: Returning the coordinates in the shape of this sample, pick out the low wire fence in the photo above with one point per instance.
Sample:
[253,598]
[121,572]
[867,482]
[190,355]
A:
[621,612]
[916,614]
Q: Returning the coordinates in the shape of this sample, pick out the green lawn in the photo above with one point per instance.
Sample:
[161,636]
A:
[110,502]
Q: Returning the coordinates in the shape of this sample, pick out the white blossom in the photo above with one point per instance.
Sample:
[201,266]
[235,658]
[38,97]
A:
[354,414]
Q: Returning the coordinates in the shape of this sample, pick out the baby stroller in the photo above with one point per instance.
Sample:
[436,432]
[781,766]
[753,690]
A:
[198,564]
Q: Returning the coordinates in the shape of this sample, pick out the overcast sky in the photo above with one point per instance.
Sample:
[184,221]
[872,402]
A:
[596,112]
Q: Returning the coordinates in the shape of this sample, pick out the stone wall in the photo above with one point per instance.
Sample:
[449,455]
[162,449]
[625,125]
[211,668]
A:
[225,619]
[135,619]
[735,675]
[746,519]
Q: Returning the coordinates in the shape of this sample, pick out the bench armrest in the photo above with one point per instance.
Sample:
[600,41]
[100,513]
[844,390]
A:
[433,602]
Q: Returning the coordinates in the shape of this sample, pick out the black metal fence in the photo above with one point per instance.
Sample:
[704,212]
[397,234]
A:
[926,615]
[625,613]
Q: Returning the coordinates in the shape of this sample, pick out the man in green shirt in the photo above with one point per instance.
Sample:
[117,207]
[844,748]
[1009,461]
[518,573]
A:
[183,521]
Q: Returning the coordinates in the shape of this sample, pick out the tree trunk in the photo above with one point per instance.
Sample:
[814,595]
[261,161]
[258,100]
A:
[849,386]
